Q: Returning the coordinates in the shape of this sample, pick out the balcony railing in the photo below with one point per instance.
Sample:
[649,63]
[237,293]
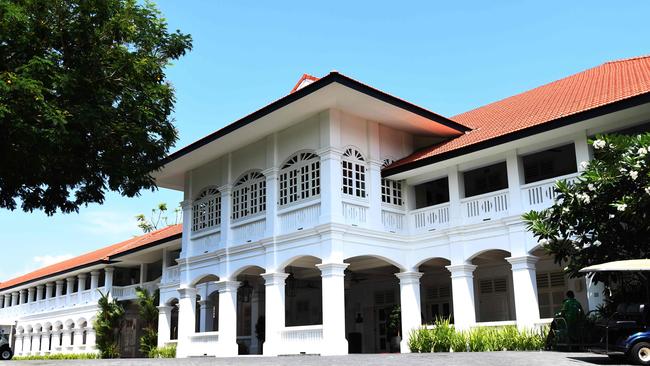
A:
[53,303]
[430,218]
[203,344]
[355,213]
[248,230]
[303,339]
[171,275]
[393,220]
[129,292]
[486,206]
[540,195]
[298,217]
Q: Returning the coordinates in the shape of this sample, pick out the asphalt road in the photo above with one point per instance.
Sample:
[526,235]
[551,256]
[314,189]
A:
[451,359]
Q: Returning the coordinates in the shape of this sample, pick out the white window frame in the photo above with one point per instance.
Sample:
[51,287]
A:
[249,195]
[206,209]
[391,190]
[354,170]
[299,178]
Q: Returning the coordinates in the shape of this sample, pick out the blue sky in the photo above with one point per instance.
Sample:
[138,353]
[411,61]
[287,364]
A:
[446,56]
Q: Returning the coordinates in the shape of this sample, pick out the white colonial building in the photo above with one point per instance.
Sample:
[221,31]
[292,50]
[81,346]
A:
[307,222]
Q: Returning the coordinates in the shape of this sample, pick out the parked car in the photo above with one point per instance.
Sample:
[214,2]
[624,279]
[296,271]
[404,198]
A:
[6,353]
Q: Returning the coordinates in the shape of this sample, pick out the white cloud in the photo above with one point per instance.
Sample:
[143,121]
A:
[110,224]
[46,260]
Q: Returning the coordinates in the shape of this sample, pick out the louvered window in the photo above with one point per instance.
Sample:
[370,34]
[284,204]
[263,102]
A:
[551,287]
[206,210]
[391,190]
[354,173]
[495,285]
[249,195]
[300,178]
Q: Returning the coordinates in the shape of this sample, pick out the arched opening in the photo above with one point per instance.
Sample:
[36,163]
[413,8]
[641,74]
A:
[493,289]
[553,284]
[173,323]
[250,311]
[303,301]
[371,297]
[435,291]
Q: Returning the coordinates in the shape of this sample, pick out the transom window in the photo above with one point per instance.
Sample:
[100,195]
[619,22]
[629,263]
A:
[391,190]
[206,210]
[249,195]
[300,178]
[354,173]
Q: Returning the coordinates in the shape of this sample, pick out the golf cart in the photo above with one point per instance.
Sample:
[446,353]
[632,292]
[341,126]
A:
[626,333]
[6,332]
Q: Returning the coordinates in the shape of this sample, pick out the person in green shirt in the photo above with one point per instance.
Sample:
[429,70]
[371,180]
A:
[572,313]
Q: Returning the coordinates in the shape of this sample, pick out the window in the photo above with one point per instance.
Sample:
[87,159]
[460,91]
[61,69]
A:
[432,193]
[249,195]
[206,210]
[549,163]
[487,179]
[300,178]
[391,190]
[551,287]
[354,173]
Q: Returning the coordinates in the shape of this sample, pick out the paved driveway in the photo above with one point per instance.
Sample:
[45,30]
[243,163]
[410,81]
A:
[452,359]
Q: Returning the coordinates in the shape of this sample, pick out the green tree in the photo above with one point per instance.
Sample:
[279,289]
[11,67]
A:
[158,218]
[107,326]
[148,311]
[603,216]
[84,101]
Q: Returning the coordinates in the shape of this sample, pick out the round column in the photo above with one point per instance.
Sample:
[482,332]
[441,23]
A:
[409,283]
[462,287]
[333,287]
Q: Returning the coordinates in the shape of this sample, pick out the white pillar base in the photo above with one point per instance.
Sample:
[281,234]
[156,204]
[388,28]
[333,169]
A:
[410,305]
[333,287]
[524,282]
[462,287]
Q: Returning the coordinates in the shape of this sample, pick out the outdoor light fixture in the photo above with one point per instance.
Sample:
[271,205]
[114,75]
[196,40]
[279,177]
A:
[245,292]
[291,283]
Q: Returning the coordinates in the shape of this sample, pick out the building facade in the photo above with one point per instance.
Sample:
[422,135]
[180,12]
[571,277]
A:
[309,222]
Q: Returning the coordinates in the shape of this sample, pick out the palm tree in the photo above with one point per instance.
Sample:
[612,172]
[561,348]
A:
[108,325]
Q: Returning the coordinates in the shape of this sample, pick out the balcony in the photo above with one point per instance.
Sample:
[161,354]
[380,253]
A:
[66,301]
[540,195]
[485,207]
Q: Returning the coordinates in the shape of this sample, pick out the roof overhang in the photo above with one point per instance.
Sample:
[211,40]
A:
[334,91]
[631,265]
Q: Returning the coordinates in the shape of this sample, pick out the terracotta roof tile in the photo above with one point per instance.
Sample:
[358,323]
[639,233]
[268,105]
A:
[103,254]
[605,84]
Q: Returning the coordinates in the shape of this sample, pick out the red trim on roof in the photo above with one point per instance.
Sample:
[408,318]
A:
[587,90]
[303,78]
[97,256]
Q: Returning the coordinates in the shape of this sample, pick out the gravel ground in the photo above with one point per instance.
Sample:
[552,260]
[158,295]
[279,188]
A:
[451,359]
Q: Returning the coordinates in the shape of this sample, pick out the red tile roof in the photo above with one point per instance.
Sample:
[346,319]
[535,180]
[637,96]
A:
[302,79]
[97,256]
[599,86]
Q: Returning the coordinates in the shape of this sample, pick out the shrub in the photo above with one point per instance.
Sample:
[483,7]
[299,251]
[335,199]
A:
[163,352]
[60,356]
[443,337]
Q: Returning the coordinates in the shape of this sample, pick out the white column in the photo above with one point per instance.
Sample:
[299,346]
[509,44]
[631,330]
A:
[455,189]
[15,298]
[513,167]
[409,283]
[374,194]
[23,297]
[36,339]
[186,320]
[524,282]
[59,293]
[143,273]
[30,294]
[582,149]
[228,318]
[94,285]
[79,346]
[333,287]
[45,342]
[91,339]
[271,202]
[66,343]
[204,308]
[56,340]
[7,300]
[462,287]
[274,288]
[108,280]
[255,311]
[39,292]
[331,181]
[164,324]
[81,285]
[226,213]
[595,293]
[186,206]
[69,288]
[20,338]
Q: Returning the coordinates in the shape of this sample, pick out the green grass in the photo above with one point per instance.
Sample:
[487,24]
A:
[60,356]
[163,352]
[443,337]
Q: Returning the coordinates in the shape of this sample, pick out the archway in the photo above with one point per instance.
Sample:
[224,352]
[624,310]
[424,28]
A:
[371,295]
[493,289]
[435,291]
[173,323]
[303,292]
[250,310]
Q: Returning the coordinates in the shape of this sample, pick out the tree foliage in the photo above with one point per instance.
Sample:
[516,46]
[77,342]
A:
[108,325]
[158,218]
[84,101]
[148,312]
[604,216]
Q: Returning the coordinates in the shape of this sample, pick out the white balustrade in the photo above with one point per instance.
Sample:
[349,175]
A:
[299,217]
[307,339]
[86,296]
[248,230]
[171,275]
[393,220]
[205,243]
[129,292]
[486,206]
[203,344]
[355,214]
[430,218]
[542,194]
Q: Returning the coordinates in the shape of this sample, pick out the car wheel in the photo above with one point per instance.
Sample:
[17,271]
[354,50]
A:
[6,354]
[640,353]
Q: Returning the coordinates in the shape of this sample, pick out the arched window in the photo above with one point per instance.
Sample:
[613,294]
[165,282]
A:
[354,173]
[206,210]
[391,190]
[249,195]
[299,178]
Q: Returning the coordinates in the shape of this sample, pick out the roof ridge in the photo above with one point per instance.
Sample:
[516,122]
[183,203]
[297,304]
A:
[626,59]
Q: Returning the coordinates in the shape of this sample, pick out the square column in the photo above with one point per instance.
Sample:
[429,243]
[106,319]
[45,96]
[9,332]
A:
[271,202]
[333,287]
[524,282]
[409,285]
[164,324]
[226,213]
[331,180]
[462,287]
[204,307]
[227,318]
[186,320]
[275,322]
[186,206]
[374,194]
